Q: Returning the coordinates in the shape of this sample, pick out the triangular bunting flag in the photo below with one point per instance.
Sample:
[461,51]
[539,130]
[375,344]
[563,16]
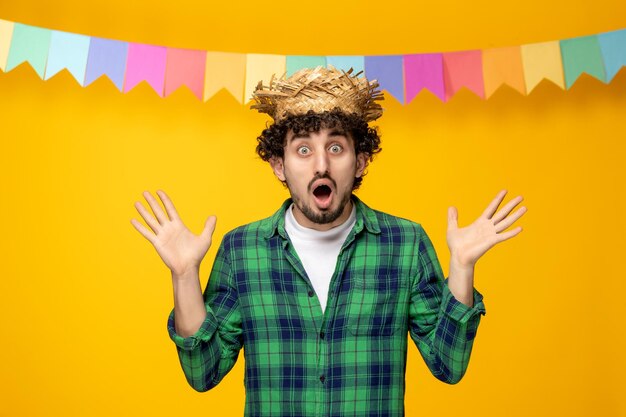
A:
[29,44]
[107,57]
[613,48]
[145,63]
[542,60]
[463,69]
[503,66]
[389,72]
[261,67]
[6,33]
[68,50]
[296,62]
[225,70]
[581,55]
[185,67]
[424,71]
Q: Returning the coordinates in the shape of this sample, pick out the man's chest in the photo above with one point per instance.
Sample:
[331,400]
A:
[368,293]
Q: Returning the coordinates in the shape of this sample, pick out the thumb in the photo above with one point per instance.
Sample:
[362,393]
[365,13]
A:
[209,228]
[453,217]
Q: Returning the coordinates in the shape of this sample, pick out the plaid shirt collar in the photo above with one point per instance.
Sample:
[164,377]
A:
[365,218]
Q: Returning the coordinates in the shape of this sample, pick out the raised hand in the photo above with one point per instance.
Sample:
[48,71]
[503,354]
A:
[468,244]
[180,249]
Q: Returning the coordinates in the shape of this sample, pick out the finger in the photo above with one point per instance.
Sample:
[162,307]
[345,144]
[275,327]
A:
[148,218]
[169,206]
[142,229]
[209,228]
[453,218]
[504,224]
[504,211]
[156,208]
[493,206]
[507,235]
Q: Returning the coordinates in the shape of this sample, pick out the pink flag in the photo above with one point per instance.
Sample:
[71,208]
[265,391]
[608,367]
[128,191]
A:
[463,69]
[423,71]
[145,63]
[185,67]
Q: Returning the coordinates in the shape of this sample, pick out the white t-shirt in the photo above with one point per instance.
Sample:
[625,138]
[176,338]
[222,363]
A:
[318,250]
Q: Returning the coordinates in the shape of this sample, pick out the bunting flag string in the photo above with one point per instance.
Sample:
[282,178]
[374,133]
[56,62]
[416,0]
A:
[166,69]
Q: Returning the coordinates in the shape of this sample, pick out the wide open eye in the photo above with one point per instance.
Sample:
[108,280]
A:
[303,150]
[336,148]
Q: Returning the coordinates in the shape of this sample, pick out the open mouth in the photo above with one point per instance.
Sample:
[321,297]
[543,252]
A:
[322,194]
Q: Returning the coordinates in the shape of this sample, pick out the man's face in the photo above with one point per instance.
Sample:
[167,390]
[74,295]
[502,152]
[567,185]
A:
[319,169]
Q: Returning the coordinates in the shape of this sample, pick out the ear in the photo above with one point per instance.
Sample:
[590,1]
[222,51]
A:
[278,167]
[361,163]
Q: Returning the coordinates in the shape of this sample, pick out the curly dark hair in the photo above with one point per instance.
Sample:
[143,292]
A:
[271,142]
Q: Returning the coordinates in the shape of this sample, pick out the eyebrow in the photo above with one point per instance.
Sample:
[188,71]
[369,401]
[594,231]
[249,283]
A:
[306,135]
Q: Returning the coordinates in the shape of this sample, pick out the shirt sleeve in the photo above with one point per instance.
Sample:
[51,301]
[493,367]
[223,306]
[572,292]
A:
[442,327]
[209,354]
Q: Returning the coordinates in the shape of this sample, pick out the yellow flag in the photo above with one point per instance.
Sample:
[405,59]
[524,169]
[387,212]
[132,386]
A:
[224,70]
[260,67]
[6,33]
[542,60]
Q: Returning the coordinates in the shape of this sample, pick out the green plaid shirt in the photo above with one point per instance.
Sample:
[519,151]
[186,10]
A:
[349,360]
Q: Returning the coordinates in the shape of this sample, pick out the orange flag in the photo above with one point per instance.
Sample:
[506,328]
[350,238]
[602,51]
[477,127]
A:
[503,66]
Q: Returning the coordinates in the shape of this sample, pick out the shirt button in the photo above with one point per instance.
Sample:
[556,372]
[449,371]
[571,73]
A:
[310,293]
[322,378]
[322,335]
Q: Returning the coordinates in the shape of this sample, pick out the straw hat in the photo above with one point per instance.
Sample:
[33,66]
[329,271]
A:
[319,89]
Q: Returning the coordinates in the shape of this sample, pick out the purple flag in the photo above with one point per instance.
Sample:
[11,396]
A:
[388,71]
[106,57]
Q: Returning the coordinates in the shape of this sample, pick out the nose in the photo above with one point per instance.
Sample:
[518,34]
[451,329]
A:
[321,163]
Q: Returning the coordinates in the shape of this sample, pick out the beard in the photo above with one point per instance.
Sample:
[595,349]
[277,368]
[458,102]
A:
[323,217]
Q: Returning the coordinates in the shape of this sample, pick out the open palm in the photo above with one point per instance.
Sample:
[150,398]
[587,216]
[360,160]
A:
[180,249]
[468,244]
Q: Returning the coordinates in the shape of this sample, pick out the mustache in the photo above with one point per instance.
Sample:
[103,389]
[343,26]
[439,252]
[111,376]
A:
[319,177]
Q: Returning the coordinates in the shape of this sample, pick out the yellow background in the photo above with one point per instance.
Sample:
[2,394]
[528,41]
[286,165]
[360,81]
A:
[85,297]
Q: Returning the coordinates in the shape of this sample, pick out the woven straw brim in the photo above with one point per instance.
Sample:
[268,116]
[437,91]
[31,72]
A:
[319,89]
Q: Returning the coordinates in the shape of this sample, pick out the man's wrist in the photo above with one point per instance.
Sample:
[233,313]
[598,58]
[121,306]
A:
[461,282]
[187,275]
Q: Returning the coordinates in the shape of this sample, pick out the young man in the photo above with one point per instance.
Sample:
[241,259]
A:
[323,293]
